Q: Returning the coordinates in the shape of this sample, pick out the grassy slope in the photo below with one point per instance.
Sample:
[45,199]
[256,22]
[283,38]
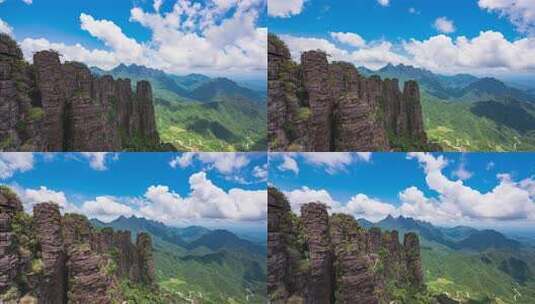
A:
[465,276]
[233,126]
[208,278]
[456,128]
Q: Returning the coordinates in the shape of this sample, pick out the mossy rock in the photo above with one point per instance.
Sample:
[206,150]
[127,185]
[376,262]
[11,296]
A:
[304,113]
[8,193]
[37,266]
[36,113]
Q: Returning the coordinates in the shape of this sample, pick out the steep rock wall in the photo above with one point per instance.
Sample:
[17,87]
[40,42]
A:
[50,106]
[341,261]
[322,106]
[62,259]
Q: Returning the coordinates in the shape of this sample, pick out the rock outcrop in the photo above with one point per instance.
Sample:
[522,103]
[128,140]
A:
[54,106]
[322,106]
[322,258]
[50,258]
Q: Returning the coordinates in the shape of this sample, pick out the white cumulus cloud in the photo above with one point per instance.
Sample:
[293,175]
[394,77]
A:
[106,209]
[216,38]
[225,163]
[206,201]
[285,8]
[13,162]
[5,28]
[384,2]
[444,25]
[521,13]
[351,39]
[97,160]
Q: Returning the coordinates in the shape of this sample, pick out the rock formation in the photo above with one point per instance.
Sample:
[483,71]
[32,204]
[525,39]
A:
[50,106]
[58,259]
[322,258]
[322,106]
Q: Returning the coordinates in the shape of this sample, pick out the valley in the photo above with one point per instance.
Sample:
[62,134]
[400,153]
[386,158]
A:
[466,113]
[199,113]
[470,265]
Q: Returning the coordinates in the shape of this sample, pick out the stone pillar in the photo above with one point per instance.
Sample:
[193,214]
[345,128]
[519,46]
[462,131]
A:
[50,237]
[411,244]
[316,228]
[316,83]
[52,87]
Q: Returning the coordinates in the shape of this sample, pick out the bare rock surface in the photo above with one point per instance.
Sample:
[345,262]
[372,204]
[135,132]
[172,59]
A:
[321,106]
[322,258]
[55,106]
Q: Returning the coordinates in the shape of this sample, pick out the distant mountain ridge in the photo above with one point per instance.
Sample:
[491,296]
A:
[459,237]
[454,87]
[191,87]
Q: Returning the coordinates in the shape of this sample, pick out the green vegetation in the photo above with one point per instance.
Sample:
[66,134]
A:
[221,126]
[224,270]
[37,266]
[456,128]
[304,113]
[138,294]
[469,277]
[7,192]
[465,113]
[36,113]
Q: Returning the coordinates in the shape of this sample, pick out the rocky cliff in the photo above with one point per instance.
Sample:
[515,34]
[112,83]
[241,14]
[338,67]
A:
[322,106]
[50,106]
[50,258]
[322,258]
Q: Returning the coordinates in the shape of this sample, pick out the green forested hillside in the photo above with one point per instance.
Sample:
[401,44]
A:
[191,266]
[469,265]
[216,126]
[456,127]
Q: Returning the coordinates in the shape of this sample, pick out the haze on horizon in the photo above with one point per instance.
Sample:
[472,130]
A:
[480,37]
[481,190]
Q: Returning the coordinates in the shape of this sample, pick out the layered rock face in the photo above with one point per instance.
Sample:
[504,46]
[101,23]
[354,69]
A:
[54,259]
[9,257]
[317,258]
[316,228]
[50,106]
[322,106]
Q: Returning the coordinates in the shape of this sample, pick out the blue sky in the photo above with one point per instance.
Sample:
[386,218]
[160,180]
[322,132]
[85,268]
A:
[477,189]
[226,38]
[219,190]
[498,35]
